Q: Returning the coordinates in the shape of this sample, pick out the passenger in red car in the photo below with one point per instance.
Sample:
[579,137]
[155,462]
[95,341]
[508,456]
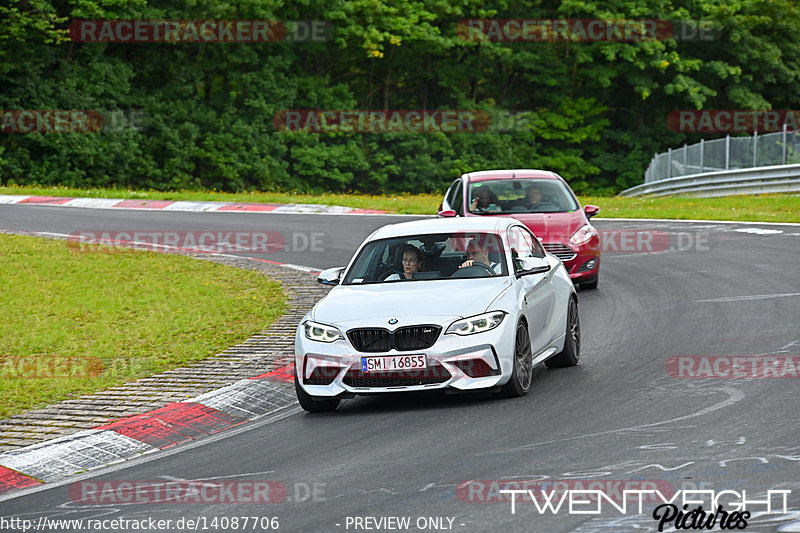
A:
[533,196]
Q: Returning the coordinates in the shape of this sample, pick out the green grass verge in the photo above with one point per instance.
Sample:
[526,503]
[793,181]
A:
[76,322]
[766,208]
[761,208]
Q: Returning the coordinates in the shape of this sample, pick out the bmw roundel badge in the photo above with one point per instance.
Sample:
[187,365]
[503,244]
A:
[392,321]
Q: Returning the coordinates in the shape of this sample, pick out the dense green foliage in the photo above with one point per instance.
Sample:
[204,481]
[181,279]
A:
[594,111]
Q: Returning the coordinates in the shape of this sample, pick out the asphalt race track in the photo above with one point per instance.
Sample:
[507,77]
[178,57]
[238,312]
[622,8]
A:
[710,289]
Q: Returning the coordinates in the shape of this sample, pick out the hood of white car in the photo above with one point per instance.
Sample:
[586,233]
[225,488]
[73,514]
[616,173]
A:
[410,302]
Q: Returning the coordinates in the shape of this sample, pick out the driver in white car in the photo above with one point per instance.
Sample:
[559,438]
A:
[478,252]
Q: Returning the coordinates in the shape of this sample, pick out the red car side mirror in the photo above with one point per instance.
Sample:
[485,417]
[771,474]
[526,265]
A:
[447,213]
[591,210]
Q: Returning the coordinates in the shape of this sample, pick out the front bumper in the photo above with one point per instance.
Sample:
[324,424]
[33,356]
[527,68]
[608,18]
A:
[470,362]
[580,268]
[577,259]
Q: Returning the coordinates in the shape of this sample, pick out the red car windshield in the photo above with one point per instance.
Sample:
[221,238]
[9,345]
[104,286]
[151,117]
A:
[513,196]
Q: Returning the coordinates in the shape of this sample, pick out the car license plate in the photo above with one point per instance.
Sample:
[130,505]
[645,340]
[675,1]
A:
[393,363]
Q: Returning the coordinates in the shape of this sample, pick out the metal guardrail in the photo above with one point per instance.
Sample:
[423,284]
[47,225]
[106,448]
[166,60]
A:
[727,153]
[762,163]
[760,180]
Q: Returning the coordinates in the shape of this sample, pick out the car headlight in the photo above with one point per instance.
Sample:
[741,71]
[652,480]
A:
[583,235]
[477,323]
[322,333]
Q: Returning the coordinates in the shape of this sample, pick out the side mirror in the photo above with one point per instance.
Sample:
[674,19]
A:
[447,213]
[591,210]
[533,265]
[331,276]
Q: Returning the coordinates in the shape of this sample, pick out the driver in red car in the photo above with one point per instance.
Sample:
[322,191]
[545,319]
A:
[484,200]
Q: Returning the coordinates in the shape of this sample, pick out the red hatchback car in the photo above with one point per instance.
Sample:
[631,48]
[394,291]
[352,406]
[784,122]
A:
[541,200]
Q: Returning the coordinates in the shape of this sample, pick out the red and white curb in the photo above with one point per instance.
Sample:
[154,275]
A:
[181,205]
[147,433]
[244,207]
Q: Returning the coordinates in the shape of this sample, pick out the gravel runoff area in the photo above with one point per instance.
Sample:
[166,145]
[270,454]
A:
[261,353]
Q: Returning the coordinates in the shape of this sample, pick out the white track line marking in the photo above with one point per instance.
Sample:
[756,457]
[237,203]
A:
[166,247]
[693,221]
[751,297]
[759,231]
[734,396]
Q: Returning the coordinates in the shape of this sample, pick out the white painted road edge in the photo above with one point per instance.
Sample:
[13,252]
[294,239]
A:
[155,247]
[695,221]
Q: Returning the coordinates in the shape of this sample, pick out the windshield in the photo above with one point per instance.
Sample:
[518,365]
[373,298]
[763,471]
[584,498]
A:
[513,196]
[430,256]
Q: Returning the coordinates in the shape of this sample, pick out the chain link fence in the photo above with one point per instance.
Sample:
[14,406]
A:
[730,153]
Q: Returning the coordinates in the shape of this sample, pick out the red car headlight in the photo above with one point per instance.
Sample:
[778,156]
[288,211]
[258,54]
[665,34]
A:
[583,235]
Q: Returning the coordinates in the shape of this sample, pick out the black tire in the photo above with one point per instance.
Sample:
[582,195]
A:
[312,404]
[571,353]
[591,284]
[522,374]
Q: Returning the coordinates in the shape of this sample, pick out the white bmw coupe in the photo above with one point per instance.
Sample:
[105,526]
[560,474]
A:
[458,304]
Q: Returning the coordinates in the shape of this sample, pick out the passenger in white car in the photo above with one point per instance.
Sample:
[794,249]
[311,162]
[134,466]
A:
[412,263]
